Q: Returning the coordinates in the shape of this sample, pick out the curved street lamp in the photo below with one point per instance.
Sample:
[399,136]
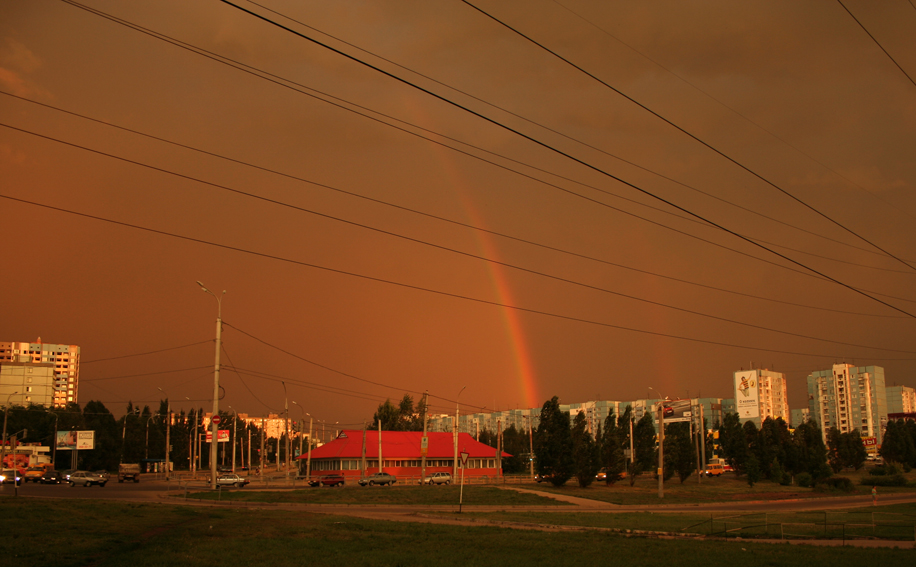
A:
[214,427]
[455,436]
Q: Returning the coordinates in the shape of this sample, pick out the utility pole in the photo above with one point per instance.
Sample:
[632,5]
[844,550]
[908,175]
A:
[214,427]
[261,463]
[455,435]
[499,445]
[365,427]
[308,465]
[424,446]
[380,461]
[702,439]
[530,446]
[661,450]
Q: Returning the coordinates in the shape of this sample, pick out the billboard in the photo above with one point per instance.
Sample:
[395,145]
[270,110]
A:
[78,440]
[222,436]
[747,400]
[675,411]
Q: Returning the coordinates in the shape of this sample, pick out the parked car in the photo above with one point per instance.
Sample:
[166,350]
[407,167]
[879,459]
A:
[231,479]
[438,478]
[87,478]
[328,480]
[33,474]
[378,478]
[8,476]
[52,477]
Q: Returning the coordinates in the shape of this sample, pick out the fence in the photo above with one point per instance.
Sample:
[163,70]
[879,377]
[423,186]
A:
[810,525]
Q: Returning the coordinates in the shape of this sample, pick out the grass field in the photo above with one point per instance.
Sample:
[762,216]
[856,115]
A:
[725,488]
[398,494]
[107,534]
[896,522]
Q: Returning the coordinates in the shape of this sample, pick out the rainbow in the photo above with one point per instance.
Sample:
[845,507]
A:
[521,356]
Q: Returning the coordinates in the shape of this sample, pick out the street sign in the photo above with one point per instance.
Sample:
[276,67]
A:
[424,446]
[464,459]
[216,419]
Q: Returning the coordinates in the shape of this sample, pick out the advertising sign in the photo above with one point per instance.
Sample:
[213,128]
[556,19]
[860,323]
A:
[746,397]
[222,436]
[675,411]
[79,440]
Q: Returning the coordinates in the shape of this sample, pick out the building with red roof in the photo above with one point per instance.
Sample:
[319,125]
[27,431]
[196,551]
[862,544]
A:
[401,454]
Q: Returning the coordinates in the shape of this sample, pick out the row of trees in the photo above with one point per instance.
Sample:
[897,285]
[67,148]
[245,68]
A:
[139,434]
[564,448]
[899,443]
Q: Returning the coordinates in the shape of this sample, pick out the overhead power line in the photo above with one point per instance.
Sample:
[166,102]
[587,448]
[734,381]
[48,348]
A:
[562,134]
[564,154]
[874,39]
[466,254]
[414,287]
[83,362]
[692,136]
[450,221]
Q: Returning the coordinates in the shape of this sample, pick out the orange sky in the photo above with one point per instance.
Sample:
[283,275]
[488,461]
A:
[367,262]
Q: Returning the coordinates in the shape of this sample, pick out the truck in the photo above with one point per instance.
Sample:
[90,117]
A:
[129,471]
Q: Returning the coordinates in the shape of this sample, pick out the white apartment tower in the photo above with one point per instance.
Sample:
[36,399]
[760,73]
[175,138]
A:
[65,360]
[849,397]
[901,399]
[760,394]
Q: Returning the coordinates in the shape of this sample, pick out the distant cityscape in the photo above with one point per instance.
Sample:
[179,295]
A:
[845,396]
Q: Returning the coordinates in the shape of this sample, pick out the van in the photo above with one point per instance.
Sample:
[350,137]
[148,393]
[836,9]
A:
[714,469]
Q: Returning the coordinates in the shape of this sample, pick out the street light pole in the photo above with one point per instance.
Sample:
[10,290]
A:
[6,414]
[455,437]
[168,430]
[301,435]
[235,419]
[286,409]
[214,427]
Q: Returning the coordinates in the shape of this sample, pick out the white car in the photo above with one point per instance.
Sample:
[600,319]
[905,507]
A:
[87,478]
[438,478]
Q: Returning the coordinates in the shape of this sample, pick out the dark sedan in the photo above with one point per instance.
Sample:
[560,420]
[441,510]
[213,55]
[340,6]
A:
[52,477]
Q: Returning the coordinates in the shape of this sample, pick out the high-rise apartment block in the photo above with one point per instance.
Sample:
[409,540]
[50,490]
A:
[43,374]
[760,394]
[849,397]
[901,399]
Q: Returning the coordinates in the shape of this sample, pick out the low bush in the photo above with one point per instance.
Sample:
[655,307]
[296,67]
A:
[803,479]
[891,480]
[888,469]
[835,483]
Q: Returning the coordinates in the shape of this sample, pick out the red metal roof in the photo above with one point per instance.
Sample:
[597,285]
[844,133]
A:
[400,445]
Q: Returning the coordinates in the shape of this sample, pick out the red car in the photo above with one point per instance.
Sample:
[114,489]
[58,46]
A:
[329,480]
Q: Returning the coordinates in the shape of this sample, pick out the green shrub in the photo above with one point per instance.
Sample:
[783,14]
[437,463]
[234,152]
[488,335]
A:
[803,479]
[835,483]
[892,480]
[887,469]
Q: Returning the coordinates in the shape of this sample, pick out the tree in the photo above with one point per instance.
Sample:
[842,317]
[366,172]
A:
[835,450]
[680,451]
[612,458]
[812,453]
[897,445]
[733,441]
[585,452]
[553,443]
[643,446]
[855,448]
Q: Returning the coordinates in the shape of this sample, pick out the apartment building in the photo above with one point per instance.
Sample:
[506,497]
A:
[760,394]
[849,397]
[901,399]
[64,360]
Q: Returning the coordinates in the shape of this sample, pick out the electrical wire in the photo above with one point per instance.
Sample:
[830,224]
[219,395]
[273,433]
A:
[573,139]
[144,353]
[564,154]
[414,287]
[746,119]
[468,254]
[450,221]
[692,136]
[881,47]
[84,380]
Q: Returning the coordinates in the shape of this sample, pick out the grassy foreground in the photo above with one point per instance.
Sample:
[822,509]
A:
[726,488]
[895,522]
[401,495]
[102,534]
